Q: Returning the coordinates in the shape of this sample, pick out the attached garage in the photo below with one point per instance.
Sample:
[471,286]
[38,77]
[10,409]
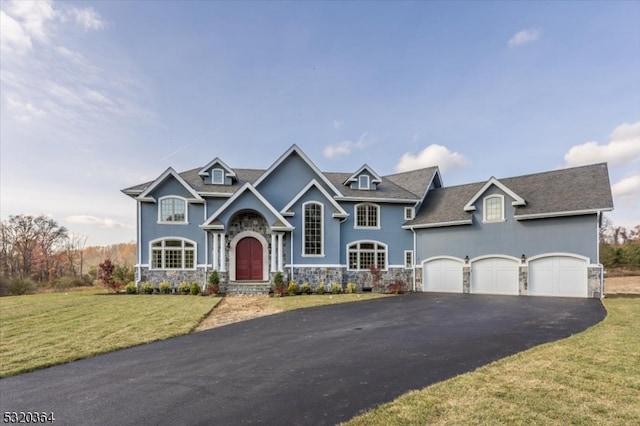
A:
[495,275]
[558,275]
[442,274]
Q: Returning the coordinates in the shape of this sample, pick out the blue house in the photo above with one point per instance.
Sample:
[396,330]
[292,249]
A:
[527,235]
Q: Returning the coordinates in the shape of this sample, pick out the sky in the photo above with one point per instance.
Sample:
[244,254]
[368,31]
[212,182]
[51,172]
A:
[101,96]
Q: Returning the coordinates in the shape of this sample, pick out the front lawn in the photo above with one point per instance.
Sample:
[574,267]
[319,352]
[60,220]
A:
[41,330]
[592,378]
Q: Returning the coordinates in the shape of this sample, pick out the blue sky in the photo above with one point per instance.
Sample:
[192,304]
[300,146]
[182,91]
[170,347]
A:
[99,96]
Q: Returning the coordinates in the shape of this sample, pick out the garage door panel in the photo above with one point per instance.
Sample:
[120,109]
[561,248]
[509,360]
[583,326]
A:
[443,275]
[558,276]
[495,275]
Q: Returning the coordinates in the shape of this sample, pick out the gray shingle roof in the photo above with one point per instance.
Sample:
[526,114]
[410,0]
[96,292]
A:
[388,189]
[578,189]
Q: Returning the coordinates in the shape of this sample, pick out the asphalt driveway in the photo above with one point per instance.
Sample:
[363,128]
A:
[316,366]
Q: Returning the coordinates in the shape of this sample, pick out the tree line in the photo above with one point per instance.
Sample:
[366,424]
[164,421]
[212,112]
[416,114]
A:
[620,247]
[37,252]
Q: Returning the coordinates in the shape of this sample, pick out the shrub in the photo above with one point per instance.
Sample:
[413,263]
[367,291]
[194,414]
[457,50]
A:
[320,288]
[146,288]
[351,288]
[292,289]
[165,287]
[305,288]
[336,288]
[20,286]
[184,288]
[195,289]
[278,284]
[397,287]
[131,288]
[214,283]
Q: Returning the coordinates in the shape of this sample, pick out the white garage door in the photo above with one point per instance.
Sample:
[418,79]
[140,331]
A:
[443,274]
[495,275]
[558,276]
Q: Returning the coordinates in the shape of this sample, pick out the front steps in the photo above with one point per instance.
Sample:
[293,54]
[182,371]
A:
[252,288]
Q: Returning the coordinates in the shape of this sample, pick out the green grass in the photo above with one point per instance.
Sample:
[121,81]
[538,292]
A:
[41,330]
[591,378]
[288,303]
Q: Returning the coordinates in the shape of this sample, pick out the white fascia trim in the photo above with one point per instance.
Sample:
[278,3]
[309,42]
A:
[204,171]
[426,191]
[162,177]
[518,201]
[314,265]
[297,150]
[215,194]
[247,187]
[377,200]
[131,191]
[340,211]
[439,224]
[559,214]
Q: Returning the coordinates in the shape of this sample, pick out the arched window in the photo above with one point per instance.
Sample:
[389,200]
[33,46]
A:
[217,176]
[173,253]
[494,208]
[367,216]
[312,229]
[172,210]
[363,254]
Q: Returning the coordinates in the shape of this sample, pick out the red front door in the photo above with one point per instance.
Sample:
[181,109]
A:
[248,259]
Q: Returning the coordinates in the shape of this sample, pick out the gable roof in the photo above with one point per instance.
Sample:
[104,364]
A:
[339,211]
[280,224]
[354,177]
[205,170]
[294,149]
[144,195]
[517,200]
[564,192]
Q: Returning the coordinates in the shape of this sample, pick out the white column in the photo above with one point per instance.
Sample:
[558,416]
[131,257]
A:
[223,254]
[216,257]
[273,252]
[280,252]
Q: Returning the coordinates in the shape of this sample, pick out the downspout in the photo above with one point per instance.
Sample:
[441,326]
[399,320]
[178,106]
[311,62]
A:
[413,267]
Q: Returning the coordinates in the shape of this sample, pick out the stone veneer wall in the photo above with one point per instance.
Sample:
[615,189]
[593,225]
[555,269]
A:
[594,279]
[198,275]
[523,280]
[362,279]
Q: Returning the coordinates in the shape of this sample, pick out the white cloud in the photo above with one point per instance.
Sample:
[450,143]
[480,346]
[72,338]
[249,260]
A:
[337,124]
[97,221]
[623,148]
[628,187]
[33,16]
[525,36]
[87,18]
[13,36]
[433,155]
[23,111]
[344,148]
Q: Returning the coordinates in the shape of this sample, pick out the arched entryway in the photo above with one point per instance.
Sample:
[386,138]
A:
[249,262]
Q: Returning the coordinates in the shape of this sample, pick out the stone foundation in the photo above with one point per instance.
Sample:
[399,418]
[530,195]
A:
[174,277]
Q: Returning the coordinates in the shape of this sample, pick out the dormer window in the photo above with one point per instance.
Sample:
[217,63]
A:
[494,208]
[363,182]
[172,210]
[217,176]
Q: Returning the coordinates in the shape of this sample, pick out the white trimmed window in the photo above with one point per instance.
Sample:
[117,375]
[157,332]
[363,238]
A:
[362,254]
[173,253]
[494,208]
[363,182]
[172,210]
[312,229]
[408,259]
[217,176]
[409,213]
[367,216]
